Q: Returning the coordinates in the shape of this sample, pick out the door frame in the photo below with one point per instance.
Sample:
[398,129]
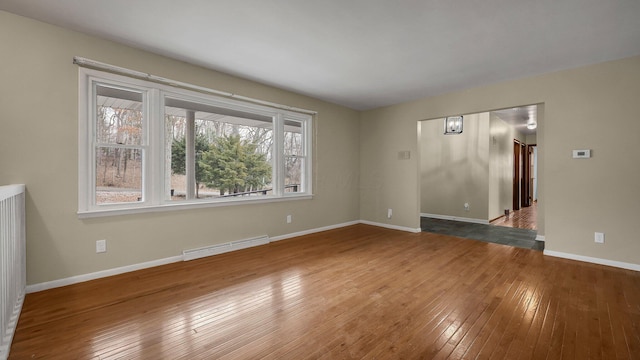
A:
[530,178]
[520,175]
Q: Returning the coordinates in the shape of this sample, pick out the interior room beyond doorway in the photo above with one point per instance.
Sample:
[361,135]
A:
[476,176]
[525,218]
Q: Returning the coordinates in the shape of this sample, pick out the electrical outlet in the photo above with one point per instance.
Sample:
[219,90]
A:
[466,206]
[599,238]
[389,213]
[101,246]
[288,219]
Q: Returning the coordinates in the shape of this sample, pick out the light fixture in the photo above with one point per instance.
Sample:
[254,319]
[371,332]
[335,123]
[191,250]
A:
[531,124]
[453,125]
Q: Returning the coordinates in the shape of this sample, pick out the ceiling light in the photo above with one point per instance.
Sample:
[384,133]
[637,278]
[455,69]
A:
[453,125]
[531,124]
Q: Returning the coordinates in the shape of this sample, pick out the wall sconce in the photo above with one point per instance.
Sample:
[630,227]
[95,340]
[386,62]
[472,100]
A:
[453,125]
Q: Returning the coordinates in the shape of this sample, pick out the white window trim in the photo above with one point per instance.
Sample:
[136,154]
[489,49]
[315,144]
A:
[153,152]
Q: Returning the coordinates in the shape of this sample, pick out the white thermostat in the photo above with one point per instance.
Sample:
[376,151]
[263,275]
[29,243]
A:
[581,154]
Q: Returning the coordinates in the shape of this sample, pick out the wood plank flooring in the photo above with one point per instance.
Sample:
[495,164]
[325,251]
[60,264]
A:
[525,218]
[359,292]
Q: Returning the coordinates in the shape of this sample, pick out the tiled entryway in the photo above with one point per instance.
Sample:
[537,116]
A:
[522,238]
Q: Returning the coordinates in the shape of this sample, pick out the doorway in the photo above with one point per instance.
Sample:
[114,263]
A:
[502,177]
[524,174]
[454,171]
[522,160]
[524,195]
[532,150]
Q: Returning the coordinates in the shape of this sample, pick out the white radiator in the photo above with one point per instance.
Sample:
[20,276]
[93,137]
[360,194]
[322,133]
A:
[12,262]
[223,248]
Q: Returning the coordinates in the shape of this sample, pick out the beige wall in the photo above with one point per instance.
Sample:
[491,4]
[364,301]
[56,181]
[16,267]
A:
[39,147]
[501,137]
[592,107]
[454,169]
[357,171]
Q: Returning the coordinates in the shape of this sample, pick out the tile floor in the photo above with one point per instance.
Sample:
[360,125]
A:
[522,238]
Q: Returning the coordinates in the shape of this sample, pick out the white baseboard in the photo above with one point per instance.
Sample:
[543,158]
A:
[124,269]
[455,218]
[618,264]
[539,237]
[100,274]
[389,226]
[311,231]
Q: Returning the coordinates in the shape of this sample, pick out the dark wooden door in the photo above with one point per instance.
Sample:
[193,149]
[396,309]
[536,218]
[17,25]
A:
[517,175]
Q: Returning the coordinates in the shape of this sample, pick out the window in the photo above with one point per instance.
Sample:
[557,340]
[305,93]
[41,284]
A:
[119,144]
[147,146]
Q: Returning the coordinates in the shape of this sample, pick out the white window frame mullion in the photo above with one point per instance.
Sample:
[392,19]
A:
[278,155]
[154,178]
[307,132]
[86,112]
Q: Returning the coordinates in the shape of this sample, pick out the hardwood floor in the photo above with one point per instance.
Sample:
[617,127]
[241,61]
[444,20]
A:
[351,293]
[525,218]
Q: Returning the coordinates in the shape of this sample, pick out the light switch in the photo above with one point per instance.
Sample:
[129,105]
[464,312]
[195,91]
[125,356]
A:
[101,246]
[581,154]
[599,237]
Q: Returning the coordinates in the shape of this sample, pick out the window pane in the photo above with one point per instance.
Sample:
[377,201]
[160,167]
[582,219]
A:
[293,138]
[232,151]
[294,156]
[118,175]
[293,173]
[118,116]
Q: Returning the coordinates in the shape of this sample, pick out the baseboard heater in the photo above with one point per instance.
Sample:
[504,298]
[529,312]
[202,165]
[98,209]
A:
[223,248]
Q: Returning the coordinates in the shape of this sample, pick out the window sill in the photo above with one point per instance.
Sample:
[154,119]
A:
[116,211]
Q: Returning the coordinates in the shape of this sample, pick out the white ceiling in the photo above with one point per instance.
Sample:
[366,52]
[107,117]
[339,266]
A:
[361,53]
[518,117]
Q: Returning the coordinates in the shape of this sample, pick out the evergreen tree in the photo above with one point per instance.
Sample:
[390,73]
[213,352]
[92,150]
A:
[258,169]
[178,157]
[235,165]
